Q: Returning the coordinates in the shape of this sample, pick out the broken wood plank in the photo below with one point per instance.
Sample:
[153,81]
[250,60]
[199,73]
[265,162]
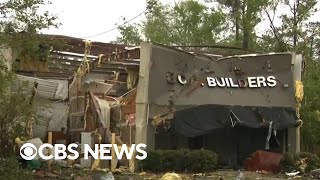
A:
[49,149]
[132,162]
[113,153]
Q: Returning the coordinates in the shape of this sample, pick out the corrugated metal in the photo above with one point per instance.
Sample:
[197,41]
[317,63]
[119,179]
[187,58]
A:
[53,116]
[53,89]
[59,116]
[45,88]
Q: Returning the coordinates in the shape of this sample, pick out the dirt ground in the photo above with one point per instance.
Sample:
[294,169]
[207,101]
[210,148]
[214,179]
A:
[219,175]
[66,173]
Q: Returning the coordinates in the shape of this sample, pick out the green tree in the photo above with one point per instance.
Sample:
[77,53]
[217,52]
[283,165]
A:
[297,34]
[186,23]
[310,108]
[294,31]
[130,34]
[20,22]
[244,17]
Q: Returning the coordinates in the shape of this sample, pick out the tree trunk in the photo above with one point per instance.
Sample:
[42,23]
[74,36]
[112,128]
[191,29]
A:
[245,19]
[237,20]
[295,23]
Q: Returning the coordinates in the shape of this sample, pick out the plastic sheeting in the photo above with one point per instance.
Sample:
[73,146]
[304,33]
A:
[201,120]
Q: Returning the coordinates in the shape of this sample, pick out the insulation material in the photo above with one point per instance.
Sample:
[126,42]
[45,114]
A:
[299,96]
[171,176]
[76,95]
[299,91]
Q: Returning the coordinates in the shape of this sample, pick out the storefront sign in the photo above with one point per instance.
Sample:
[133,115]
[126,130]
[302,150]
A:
[251,82]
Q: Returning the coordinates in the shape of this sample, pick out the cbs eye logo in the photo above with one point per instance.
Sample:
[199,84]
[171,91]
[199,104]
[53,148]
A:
[28,151]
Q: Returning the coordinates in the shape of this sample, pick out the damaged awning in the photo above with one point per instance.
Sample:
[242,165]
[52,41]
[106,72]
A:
[199,120]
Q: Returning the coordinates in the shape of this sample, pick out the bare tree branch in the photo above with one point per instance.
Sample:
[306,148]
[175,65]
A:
[275,31]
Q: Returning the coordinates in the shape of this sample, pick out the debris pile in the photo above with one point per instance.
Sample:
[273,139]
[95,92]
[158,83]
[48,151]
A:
[264,161]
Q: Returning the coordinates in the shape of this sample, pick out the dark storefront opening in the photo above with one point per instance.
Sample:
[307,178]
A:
[233,145]
[234,133]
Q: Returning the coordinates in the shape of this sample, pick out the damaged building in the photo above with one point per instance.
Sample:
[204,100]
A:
[233,105]
[169,98]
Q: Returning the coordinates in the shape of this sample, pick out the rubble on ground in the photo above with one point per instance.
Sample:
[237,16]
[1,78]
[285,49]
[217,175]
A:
[171,176]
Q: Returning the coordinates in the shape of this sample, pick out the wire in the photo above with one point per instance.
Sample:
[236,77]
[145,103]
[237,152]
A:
[222,47]
[116,26]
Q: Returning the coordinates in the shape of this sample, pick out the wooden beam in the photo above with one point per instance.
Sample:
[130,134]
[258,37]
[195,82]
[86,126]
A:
[49,149]
[113,153]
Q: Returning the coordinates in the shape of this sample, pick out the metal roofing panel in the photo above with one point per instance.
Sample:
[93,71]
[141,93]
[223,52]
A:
[45,88]
[53,116]
[54,89]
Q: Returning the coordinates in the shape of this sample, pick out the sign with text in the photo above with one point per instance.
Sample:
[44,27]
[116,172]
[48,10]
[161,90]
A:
[183,79]
[251,82]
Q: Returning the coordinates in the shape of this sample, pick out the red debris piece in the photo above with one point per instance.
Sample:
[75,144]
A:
[264,161]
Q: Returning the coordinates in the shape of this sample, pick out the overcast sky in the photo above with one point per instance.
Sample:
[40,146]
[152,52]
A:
[83,18]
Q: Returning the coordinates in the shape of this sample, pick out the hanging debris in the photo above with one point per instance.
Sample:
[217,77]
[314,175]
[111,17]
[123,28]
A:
[299,96]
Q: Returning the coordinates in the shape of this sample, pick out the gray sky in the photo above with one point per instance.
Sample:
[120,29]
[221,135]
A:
[83,18]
